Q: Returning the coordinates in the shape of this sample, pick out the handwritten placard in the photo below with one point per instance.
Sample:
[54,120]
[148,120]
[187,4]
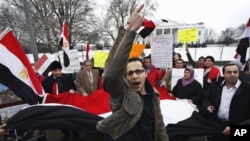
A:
[187,35]
[162,50]
[74,61]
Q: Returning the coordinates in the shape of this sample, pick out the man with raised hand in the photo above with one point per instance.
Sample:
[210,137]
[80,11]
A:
[136,113]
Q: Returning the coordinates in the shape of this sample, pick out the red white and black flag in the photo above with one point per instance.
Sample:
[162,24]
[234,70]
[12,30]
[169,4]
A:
[180,117]
[148,26]
[64,42]
[15,69]
[243,44]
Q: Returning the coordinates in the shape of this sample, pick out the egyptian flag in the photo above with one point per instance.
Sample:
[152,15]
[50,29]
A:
[148,26]
[15,70]
[87,51]
[243,44]
[180,117]
[64,42]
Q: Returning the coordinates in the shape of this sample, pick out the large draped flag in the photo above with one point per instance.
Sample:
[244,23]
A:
[180,117]
[64,42]
[243,44]
[16,71]
[179,120]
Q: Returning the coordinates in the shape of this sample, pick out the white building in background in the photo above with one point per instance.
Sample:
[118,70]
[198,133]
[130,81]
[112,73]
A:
[172,27]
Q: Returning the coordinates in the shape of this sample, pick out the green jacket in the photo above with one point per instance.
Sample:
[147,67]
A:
[126,104]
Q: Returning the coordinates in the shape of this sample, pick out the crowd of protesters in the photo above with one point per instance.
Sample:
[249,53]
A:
[223,94]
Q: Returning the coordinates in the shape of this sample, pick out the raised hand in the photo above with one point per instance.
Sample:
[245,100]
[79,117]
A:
[136,20]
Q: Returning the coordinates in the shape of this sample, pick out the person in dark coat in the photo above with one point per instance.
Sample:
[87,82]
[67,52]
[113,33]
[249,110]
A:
[188,88]
[227,101]
[135,105]
[63,82]
[57,83]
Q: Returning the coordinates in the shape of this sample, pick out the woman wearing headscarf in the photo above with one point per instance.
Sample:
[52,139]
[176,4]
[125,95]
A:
[188,88]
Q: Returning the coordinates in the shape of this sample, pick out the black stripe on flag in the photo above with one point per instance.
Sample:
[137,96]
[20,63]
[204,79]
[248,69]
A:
[242,48]
[17,86]
[145,32]
[65,59]
[194,125]
[47,116]
[54,116]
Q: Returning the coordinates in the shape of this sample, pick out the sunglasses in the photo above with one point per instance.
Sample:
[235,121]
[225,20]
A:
[137,71]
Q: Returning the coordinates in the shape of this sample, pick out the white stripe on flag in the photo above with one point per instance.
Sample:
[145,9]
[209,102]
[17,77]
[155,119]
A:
[173,111]
[140,29]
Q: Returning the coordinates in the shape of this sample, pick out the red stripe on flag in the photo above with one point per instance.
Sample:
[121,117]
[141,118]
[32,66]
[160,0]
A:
[41,61]
[248,23]
[148,23]
[65,31]
[99,98]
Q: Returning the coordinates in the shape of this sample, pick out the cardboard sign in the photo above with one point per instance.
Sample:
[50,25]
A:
[100,58]
[187,35]
[137,50]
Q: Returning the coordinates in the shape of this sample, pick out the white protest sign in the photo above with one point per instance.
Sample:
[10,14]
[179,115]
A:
[162,50]
[74,65]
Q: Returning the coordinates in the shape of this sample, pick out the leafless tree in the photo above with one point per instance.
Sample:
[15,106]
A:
[209,35]
[228,36]
[239,30]
[10,18]
[47,18]
[119,12]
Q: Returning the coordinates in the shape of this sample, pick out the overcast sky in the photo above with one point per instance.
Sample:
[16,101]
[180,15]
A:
[216,14]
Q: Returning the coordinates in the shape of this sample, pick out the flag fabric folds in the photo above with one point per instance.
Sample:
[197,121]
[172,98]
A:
[64,42]
[148,26]
[16,71]
[180,117]
[54,116]
[195,125]
[243,44]
[99,98]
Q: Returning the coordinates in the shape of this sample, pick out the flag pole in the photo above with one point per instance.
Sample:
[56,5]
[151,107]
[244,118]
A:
[31,32]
